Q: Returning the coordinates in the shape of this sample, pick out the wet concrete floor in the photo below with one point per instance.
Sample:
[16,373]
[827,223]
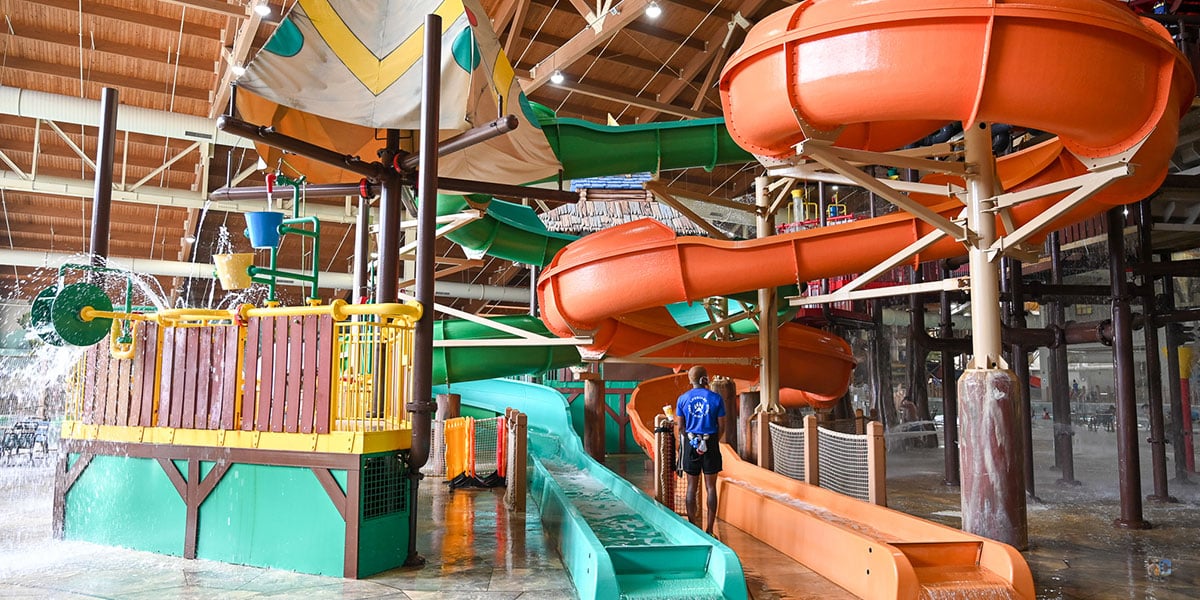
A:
[476,550]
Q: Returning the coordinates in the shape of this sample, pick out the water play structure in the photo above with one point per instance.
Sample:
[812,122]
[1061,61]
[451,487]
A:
[313,402]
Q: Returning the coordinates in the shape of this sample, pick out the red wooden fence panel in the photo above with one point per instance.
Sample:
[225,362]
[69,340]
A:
[229,384]
[279,386]
[89,385]
[109,415]
[266,378]
[204,376]
[95,410]
[190,362]
[166,375]
[324,374]
[124,376]
[296,350]
[308,390]
[250,372]
[179,378]
[149,368]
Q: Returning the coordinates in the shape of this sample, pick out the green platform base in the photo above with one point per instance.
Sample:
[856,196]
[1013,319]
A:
[341,515]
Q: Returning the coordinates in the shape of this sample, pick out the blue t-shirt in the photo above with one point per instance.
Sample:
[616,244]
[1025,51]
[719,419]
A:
[700,408]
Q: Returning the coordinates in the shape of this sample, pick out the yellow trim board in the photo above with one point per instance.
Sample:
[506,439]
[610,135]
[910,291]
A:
[341,442]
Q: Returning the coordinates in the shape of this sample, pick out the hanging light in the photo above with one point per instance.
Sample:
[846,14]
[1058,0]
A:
[238,70]
[654,10]
[262,8]
[557,77]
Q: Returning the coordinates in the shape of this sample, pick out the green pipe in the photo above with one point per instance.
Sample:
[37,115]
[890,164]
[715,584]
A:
[454,365]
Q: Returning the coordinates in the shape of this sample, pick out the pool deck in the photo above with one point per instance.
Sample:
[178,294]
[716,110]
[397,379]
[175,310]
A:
[476,550]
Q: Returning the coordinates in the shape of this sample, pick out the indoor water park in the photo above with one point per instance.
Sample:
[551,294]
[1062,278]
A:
[367,299]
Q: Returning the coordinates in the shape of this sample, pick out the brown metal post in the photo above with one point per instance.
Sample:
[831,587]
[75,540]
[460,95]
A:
[387,268]
[1157,439]
[747,402]
[1129,470]
[1179,435]
[1020,360]
[102,196]
[594,415]
[949,390]
[420,409]
[1060,389]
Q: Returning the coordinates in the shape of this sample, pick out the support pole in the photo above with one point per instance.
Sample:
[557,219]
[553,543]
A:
[1020,357]
[387,269]
[728,392]
[768,316]
[362,252]
[1154,397]
[1129,470]
[102,197]
[747,402]
[421,406]
[1060,388]
[993,492]
[1180,431]
[594,415]
[949,390]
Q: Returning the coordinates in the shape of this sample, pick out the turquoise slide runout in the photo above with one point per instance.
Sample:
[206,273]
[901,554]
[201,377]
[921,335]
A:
[616,541]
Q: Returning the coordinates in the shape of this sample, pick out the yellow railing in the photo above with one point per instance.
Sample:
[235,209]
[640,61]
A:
[371,371]
[373,363]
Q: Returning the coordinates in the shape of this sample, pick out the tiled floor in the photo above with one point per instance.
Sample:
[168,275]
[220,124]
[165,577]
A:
[476,550]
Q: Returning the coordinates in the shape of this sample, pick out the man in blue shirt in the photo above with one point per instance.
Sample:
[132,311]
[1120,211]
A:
[699,424]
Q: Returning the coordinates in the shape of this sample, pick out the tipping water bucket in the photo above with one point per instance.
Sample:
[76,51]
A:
[234,270]
[263,228]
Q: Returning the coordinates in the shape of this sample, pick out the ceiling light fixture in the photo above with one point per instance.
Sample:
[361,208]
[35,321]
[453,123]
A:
[263,9]
[654,10]
[557,77]
[238,70]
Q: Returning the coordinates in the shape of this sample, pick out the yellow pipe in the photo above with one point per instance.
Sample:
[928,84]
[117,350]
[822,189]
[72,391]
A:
[118,350]
[340,310]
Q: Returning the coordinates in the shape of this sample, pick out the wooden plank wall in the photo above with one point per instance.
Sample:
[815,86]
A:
[198,378]
[286,374]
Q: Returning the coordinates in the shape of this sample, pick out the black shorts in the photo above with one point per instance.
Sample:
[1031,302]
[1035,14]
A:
[694,463]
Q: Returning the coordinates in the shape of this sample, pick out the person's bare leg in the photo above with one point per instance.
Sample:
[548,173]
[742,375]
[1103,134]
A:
[710,486]
[690,499]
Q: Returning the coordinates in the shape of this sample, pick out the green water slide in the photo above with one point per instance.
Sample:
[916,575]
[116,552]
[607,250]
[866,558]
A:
[475,363]
[615,541]
[584,149]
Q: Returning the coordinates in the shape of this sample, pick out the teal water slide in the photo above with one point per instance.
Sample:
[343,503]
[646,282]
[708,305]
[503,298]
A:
[615,541]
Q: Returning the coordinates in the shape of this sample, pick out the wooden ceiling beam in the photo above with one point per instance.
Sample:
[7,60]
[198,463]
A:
[622,97]
[242,43]
[582,43]
[236,11]
[625,59]
[703,7]
[106,47]
[123,15]
[697,64]
[98,76]
[667,35]
[514,34]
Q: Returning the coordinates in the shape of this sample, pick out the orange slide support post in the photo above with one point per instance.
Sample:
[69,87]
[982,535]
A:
[869,550]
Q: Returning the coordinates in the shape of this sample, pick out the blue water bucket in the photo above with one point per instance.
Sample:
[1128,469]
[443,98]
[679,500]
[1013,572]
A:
[263,228]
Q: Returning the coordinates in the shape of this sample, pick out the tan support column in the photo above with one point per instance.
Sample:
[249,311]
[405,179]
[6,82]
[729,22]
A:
[876,464]
[664,462]
[993,482]
[768,318]
[812,464]
[594,415]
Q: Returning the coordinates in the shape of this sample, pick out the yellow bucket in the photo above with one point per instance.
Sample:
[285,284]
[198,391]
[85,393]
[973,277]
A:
[234,270]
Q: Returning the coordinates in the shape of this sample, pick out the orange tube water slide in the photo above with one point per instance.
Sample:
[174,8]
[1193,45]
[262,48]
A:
[888,72]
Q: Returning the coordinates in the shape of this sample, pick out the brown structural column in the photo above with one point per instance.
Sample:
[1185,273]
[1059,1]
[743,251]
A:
[728,392]
[1157,439]
[1180,436]
[421,407]
[747,403]
[1020,358]
[387,267]
[1060,389]
[1129,470]
[949,390]
[993,493]
[102,196]
[594,415]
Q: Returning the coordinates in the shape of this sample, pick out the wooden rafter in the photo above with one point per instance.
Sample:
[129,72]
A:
[582,43]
